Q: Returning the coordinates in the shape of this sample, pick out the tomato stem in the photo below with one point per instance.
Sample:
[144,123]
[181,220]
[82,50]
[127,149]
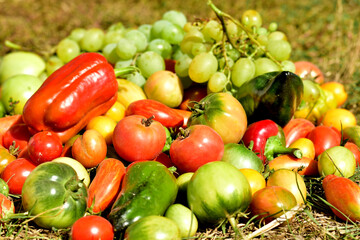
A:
[147,122]
[233,224]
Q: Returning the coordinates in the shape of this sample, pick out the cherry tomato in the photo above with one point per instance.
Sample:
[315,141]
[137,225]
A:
[308,70]
[15,174]
[104,125]
[338,90]
[116,112]
[137,138]
[197,145]
[92,227]
[44,146]
[18,133]
[323,137]
[255,178]
[5,158]
[90,148]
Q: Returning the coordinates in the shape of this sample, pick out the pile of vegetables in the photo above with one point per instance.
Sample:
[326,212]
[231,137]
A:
[161,131]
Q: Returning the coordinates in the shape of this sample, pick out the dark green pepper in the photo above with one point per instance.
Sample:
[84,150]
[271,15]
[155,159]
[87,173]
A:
[273,95]
[149,188]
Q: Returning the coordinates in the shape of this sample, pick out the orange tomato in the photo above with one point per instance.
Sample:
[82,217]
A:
[338,90]
[308,166]
[339,118]
[255,179]
[116,112]
[306,146]
[104,125]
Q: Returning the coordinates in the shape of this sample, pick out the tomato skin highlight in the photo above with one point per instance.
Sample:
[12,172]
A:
[105,185]
[323,137]
[200,144]
[137,138]
[92,227]
[344,195]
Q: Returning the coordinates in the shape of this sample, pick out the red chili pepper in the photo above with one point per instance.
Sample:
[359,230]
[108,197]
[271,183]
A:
[80,90]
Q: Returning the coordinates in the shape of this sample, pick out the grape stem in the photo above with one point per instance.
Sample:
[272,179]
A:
[221,16]
[119,72]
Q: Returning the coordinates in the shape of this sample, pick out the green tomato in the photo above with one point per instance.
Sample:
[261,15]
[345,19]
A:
[218,191]
[21,63]
[18,88]
[184,218]
[54,190]
[2,109]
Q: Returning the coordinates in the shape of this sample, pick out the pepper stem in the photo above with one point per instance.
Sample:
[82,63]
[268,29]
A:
[125,70]
[274,147]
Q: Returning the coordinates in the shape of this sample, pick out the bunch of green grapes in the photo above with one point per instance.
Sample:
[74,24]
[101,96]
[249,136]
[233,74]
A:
[225,53]
[145,47]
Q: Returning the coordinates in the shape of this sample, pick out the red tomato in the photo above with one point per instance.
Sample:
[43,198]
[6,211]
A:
[323,138]
[355,150]
[18,133]
[7,122]
[199,144]
[164,159]
[6,207]
[193,94]
[15,174]
[297,128]
[308,70]
[106,184]
[138,138]
[92,227]
[44,146]
[90,148]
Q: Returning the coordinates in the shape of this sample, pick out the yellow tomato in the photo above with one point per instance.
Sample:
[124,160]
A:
[306,146]
[129,92]
[104,125]
[255,179]
[339,118]
[338,90]
[116,112]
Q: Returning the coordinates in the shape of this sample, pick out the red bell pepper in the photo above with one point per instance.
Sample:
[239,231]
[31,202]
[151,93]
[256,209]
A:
[80,90]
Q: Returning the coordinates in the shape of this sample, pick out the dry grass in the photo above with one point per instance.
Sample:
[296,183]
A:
[326,32]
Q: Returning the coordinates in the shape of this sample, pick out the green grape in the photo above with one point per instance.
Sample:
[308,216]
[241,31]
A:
[265,65]
[77,34]
[146,30]
[109,52]
[149,63]
[273,27]
[93,40]
[198,48]
[242,71]
[174,34]
[161,47]
[212,31]
[182,65]
[262,31]
[288,65]
[251,18]
[311,91]
[157,28]
[232,52]
[177,53]
[53,64]
[232,29]
[191,37]
[67,49]
[138,38]
[279,49]
[136,78]
[263,39]
[229,63]
[186,82]
[277,35]
[123,63]
[217,82]
[175,17]
[125,49]
[202,67]
[112,37]
[119,26]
